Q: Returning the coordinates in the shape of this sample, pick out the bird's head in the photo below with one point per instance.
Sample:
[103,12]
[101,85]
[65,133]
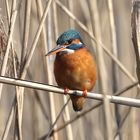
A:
[68,42]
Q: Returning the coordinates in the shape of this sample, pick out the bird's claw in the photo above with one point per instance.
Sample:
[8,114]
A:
[66,90]
[84,93]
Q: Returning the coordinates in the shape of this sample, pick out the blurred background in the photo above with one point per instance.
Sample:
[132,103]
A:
[28,30]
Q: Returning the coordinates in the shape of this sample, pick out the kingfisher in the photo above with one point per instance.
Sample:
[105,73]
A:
[74,66]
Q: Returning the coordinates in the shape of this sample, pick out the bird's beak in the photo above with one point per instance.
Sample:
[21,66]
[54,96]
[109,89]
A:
[56,50]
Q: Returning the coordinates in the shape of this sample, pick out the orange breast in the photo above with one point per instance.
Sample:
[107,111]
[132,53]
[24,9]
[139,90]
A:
[76,70]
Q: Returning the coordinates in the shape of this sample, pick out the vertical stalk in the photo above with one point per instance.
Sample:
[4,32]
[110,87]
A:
[48,63]
[11,29]
[26,30]
[102,73]
[135,23]
[51,96]
[115,74]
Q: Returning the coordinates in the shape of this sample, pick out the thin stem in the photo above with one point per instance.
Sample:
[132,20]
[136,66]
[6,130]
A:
[11,29]
[113,99]
[53,125]
[31,51]
[26,29]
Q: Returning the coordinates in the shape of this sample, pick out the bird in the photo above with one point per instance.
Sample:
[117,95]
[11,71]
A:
[74,66]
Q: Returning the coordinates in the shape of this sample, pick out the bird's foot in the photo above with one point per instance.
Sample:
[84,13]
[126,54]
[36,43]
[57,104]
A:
[84,93]
[66,90]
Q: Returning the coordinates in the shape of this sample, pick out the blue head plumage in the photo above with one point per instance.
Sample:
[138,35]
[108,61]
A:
[68,36]
[67,42]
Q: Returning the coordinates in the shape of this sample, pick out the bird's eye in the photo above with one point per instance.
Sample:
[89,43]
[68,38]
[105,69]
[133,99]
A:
[70,41]
[66,43]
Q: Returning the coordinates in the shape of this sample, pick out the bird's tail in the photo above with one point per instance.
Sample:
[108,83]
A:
[77,102]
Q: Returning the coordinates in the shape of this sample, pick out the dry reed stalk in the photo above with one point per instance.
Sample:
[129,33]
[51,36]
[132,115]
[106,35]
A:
[7,11]
[49,74]
[122,123]
[26,30]
[51,130]
[37,35]
[40,86]
[11,29]
[135,125]
[135,23]
[15,68]
[55,20]
[43,42]
[50,78]
[113,40]
[13,109]
[87,12]
[38,98]
[20,101]
[9,122]
[77,117]
[71,8]
[84,28]
[43,37]
[20,97]
[115,52]
[20,90]
[66,116]
[102,73]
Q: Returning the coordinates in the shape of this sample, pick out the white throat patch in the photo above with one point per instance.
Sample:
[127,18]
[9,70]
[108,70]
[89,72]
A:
[67,51]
